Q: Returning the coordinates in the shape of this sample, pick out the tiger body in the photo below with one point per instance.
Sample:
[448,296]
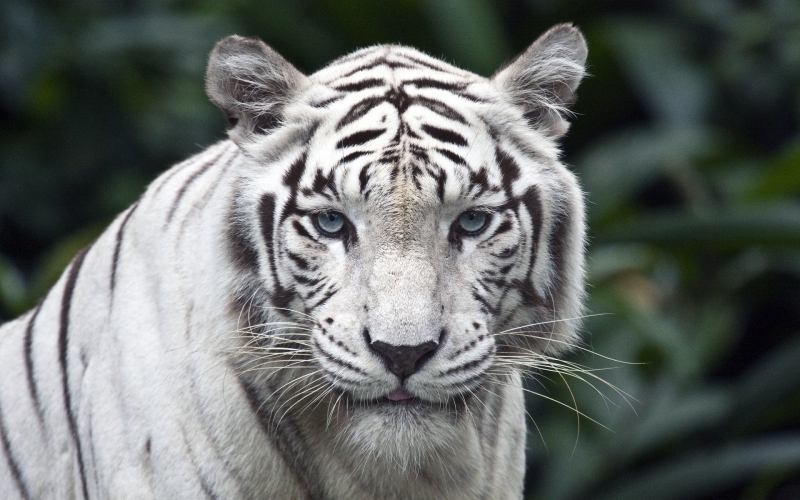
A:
[217,342]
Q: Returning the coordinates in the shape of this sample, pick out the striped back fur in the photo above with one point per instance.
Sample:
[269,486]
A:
[335,303]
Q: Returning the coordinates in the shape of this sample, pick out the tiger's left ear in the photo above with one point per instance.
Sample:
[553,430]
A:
[543,79]
[251,83]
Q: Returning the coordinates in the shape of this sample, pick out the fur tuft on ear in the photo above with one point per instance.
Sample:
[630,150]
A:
[544,78]
[251,83]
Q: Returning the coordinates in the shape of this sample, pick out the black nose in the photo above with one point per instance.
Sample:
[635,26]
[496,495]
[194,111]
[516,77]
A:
[404,360]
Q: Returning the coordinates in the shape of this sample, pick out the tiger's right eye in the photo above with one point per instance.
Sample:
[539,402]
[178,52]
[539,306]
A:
[330,224]
[472,222]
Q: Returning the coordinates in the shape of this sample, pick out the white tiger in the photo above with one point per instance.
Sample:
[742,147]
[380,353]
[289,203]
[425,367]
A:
[323,306]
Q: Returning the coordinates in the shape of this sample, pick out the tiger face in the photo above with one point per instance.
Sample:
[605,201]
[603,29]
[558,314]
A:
[414,216]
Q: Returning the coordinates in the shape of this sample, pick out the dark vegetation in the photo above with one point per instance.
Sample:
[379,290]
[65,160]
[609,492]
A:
[686,141]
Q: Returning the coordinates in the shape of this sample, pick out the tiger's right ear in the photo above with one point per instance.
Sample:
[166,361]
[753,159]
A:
[542,80]
[251,83]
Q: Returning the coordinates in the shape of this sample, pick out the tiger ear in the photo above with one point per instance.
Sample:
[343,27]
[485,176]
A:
[543,79]
[251,84]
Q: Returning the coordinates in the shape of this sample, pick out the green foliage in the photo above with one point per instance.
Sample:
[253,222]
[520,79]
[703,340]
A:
[686,142]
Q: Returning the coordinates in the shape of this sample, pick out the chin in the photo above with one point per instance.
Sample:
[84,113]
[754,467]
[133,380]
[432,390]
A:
[406,433]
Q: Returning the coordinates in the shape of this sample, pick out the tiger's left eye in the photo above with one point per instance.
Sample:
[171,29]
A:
[472,222]
[330,223]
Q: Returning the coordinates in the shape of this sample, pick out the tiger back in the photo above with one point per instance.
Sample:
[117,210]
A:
[337,302]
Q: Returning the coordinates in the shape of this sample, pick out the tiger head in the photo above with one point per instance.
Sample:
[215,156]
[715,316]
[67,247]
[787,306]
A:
[413,216]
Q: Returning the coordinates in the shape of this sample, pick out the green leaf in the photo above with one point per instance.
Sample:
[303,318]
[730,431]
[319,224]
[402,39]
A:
[697,473]
[778,225]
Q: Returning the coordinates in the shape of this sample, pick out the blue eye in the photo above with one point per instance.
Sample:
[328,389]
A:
[472,222]
[329,223]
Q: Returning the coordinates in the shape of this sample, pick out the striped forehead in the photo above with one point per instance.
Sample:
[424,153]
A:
[398,119]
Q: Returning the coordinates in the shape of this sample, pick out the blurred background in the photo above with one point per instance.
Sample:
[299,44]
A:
[686,141]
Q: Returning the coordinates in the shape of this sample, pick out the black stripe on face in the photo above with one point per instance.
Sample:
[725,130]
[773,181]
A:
[298,260]
[353,156]
[430,83]
[325,298]
[301,230]
[363,84]
[441,181]
[63,347]
[458,160]
[359,138]
[439,108]
[292,176]
[281,297]
[509,169]
[326,102]
[29,363]
[442,68]
[503,227]
[359,110]
[445,135]
[479,180]
[266,213]
[363,178]
[118,245]
[532,202]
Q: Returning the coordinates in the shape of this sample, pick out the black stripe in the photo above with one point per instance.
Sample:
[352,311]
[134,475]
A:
[508,168]
[469,365]
[13,466]
[360,137]
[63,345]
[118,245]
[533,205]
[337,361]
[352,156]
[503,227]
[361,85]
[298,260]
[479,179]
[301,230]
[439,108]
[484,303]
[29,363]
[324,299]
[451,156]
[324,103]
[445,135]
[188,182]
[363,178]
[424,83]
[359,110]
[292,176]
[443,68]
[266,213]
[363,67]
[441,181]
[176,170]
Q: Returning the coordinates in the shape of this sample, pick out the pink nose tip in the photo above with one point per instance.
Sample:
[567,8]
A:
[399,395]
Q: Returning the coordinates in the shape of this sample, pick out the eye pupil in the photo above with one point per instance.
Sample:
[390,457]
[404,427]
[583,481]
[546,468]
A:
[330,223]
[472,221]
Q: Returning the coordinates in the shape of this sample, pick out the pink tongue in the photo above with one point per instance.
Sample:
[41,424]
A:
[399,395]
